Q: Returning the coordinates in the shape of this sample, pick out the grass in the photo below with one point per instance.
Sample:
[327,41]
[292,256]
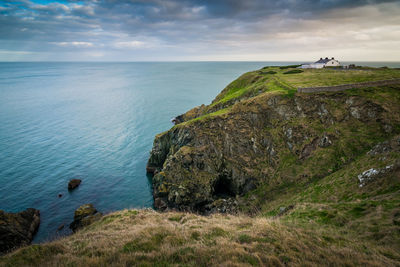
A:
[293,71]
[151,239]
[328,77]
[277,79]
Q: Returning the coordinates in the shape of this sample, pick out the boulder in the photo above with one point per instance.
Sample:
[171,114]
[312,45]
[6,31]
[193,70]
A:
[17,229]
[74,183]
[84,215]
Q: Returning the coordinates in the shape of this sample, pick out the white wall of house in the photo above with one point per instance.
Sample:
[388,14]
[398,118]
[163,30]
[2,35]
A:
[332,63]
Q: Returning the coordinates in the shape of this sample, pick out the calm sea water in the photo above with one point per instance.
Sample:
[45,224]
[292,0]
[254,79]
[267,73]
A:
[95,122]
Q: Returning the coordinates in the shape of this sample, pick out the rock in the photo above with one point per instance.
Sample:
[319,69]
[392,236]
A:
[159,204]
[74,183]
[17,229]
[283,210]
[392,145]
[222,205]
[84,215]
[308,149]
[60,227]
[355,112]
[373,174]
[151,169]
[324,141]
[60,195]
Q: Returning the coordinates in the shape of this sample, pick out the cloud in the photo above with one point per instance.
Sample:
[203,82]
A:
[75,44]
[207,29]
[129,44]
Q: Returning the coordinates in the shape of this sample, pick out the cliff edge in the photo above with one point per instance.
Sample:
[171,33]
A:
[259,134]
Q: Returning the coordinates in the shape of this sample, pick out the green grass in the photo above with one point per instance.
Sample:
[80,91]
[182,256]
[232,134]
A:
[293,71]
[328,77]
[289,67]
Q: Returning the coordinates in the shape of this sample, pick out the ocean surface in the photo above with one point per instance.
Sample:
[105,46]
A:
[95,122]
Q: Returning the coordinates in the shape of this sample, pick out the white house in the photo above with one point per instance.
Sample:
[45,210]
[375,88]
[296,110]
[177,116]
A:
[321,63]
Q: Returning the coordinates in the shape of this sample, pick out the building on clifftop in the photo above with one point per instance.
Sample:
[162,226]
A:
[322,63]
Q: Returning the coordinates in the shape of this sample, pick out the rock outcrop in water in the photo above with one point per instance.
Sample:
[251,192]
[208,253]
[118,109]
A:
[84,215]
[74,183]
[215,156]
[17,229]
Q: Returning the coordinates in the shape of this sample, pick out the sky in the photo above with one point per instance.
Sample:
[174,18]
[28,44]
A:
[199,30]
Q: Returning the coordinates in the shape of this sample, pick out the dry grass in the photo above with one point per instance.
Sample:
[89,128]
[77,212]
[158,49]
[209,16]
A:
[149,238]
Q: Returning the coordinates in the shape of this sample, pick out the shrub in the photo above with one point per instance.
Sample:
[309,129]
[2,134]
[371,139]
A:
[289,67]
[293,71]
[268,72]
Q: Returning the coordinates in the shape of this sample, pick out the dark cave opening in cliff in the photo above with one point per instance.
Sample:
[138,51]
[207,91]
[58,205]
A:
[223,187]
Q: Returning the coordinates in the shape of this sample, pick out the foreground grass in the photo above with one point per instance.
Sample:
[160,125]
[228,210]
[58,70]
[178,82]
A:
[149,238]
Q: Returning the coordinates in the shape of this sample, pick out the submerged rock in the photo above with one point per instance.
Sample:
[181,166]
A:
[74,183]
[17,229]
[84,215]
[60,227]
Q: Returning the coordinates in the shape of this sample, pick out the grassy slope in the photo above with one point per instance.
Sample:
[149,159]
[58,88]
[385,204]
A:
[148,238]
[260,81]
[333,221]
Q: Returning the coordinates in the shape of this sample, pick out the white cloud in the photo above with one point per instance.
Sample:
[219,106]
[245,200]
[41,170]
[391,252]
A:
[130,44]
[74,44]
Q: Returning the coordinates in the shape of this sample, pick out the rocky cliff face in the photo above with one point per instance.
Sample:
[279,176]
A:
[208,163]
[84,216]
[17,229]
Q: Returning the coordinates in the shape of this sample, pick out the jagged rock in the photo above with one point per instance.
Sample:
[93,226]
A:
[386,147]
[223,205]
[160,204]
[17,229]
[74,183]
[84,215]
[372,174]
[325,141]
[308,149]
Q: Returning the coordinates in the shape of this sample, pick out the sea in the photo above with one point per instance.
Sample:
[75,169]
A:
[94,121]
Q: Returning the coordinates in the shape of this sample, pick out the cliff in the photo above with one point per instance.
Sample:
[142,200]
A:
[17,229]
[259,135]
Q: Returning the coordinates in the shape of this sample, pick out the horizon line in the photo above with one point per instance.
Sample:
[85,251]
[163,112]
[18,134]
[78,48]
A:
[178,61]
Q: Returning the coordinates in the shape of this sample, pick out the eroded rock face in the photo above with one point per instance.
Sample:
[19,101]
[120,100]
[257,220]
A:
[17,229]
[207,164]
[84,215]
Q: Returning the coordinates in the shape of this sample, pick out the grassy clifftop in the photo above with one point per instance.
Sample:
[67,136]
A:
[285,81]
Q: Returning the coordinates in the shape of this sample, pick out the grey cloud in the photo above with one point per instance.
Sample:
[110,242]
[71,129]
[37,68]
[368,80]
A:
[183,25]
